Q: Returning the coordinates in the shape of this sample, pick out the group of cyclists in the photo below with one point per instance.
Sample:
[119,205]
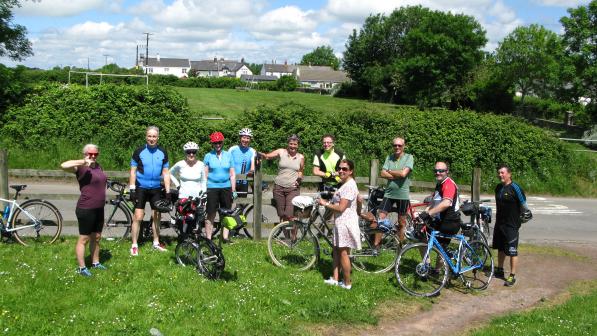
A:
[216,174]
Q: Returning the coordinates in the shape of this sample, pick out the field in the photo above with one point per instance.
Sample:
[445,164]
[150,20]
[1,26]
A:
[231,103]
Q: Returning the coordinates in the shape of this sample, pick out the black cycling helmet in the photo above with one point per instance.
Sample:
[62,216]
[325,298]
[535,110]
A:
[526,216]
[163,205]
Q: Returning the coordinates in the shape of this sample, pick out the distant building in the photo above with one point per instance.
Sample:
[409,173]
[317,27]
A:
[278,70]
[322,77]
[220,68]
[258,78]
[178,67]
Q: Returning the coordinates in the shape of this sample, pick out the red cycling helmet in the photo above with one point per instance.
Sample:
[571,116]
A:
[216,137]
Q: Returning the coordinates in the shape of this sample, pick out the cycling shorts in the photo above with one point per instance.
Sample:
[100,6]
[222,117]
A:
[147,195]
[505,239]
[90,220]
[218,198]
[394,205]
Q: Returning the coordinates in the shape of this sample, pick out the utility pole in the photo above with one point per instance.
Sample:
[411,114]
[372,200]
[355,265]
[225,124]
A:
[106,56]
[88,69]
[147,51]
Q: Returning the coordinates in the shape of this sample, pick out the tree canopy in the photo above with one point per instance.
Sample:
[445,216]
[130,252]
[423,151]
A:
[322,55]
[13,37]
[414,55]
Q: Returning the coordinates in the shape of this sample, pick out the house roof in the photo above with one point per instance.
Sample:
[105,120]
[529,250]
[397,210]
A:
[308,73]
[289,68]
[168,62]
[258,78]
[216,65]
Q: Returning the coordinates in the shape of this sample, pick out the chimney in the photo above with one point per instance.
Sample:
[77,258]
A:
[215,59]
[158,57]
[285,62]
[242,60]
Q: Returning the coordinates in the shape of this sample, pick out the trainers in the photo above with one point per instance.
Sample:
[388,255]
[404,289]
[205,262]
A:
[510,281]
[331,282]
[160,248]
[134,251]
[342,285]
[84,272]
[499,273]
[99,266]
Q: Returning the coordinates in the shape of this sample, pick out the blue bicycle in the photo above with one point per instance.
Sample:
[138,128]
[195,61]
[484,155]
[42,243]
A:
[423,269]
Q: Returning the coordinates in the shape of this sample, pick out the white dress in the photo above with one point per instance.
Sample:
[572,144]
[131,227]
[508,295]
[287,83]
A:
[192,180]
[346,225]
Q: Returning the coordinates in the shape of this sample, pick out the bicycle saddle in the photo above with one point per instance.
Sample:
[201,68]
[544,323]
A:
[226,212]
[18,187]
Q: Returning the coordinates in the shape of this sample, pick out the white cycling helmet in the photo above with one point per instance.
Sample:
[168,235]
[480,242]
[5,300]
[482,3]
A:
[190,146]
[246,131]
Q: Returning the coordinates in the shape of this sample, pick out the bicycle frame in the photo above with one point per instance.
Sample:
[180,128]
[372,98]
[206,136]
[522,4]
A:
[13,205]
[456,268]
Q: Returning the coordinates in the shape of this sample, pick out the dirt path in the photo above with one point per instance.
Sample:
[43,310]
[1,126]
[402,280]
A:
[540,277]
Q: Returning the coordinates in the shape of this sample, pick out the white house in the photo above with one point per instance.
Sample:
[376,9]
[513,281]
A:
[178,67]
[322,77]
[220,68]
[278,70]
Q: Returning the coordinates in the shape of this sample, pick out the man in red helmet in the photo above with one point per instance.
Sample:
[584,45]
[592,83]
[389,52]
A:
[221,182]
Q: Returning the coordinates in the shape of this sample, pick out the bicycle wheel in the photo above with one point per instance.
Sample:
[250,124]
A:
[187,252]
[486,229]
[37,222]
[421,277]
[211,260]
[478,256]
[376,260]
[292,245]
[117,222]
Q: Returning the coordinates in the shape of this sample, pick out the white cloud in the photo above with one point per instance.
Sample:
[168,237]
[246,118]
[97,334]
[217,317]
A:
[560,3]
[91,30]
[285,19]
[59,7]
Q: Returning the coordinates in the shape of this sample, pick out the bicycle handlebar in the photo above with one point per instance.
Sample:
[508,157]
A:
[116,186]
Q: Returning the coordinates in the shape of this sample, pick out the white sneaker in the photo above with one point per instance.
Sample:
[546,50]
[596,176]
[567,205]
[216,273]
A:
[135,251]
[158,247]
[331,282]
[342,285]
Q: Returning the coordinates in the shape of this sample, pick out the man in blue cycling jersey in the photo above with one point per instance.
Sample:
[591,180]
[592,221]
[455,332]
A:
[149,164]
[243,158]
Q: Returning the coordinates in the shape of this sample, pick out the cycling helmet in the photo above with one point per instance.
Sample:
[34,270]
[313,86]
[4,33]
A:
[526,216]
[163,205]
[246,131]
[216,137]
[190,146]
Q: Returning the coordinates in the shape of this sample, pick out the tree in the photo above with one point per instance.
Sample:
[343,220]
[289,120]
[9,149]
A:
[414,55]
[322,55]
[255,68]
[580,39]
[13,38]
[529,58]
[286,83]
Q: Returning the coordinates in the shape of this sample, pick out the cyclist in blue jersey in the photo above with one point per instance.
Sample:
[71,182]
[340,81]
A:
[221,184]
[243,157]
[149,164]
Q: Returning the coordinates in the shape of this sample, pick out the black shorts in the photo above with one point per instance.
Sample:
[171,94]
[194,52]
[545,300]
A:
[218,198]
[147,195]
[449,227]
[394,205]
[242,188]
[90,220]
[505,239]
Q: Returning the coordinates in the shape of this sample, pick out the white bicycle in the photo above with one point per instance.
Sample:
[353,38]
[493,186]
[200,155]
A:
[32,222]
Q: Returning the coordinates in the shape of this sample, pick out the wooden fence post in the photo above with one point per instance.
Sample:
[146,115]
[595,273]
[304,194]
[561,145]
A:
[374,172]
[257,201]
[476,184]
[4,174]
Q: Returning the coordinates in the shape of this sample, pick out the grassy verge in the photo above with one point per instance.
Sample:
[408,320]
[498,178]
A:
[43,295]
[575,317]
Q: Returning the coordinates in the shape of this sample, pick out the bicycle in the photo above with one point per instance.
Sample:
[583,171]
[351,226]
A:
[34,221]
[480,217]
[423,269]
[381,257]
[192,247]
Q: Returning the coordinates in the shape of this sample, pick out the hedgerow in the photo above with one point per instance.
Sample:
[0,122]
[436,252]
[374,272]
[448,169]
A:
[60,119]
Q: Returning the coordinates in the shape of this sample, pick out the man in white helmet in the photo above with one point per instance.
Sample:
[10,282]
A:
[243,158]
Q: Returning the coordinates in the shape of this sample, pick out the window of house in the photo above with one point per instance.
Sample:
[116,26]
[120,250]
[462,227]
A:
[184,70]
[166,69]
[150,70]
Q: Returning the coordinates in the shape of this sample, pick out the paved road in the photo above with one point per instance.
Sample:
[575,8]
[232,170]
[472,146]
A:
[555,218]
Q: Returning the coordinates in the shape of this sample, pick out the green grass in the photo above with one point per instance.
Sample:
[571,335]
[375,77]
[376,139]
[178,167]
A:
[231,103]
[42,294]
[575,317]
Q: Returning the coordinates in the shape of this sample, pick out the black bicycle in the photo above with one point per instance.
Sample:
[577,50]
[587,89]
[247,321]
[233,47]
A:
[478,227]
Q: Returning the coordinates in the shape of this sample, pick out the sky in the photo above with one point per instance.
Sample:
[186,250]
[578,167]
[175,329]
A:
[96,32]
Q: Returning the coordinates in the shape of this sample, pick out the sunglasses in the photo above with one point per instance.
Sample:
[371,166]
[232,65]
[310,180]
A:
[217,143]
[344,169]
[440,170]
[191,152]
[93,154]
[397,145]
